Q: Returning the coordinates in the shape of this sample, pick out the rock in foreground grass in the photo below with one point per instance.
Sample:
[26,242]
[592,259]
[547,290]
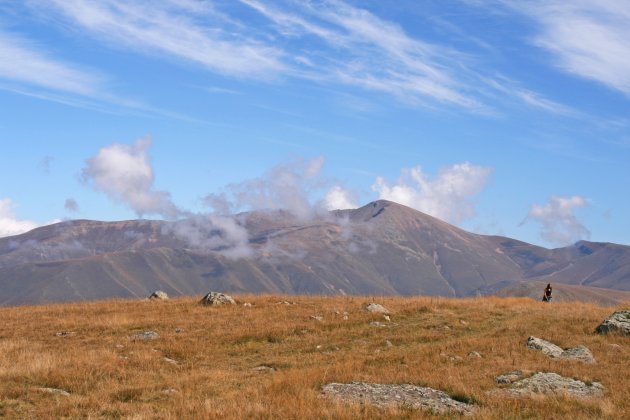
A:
[553,384]
[394,395]
[617,322]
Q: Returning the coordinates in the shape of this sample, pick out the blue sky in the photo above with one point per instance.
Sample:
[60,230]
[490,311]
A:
[502,117]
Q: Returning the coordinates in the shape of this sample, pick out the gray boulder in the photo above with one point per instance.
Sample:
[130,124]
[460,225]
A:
[216,298]
[376,308]
[580,353]
[145,335]
[617,322]
[474,355]
[510,377]
[553,384]
[158,295]
[544,346]
[54,391]
[393,395]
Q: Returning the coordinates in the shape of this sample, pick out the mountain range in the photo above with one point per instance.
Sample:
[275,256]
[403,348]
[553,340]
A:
[381,248]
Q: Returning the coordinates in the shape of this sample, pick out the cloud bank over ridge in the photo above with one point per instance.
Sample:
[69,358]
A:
[446,196]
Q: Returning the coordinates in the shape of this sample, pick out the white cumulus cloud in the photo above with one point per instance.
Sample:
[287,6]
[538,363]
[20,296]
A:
[339,198]
[124,172]
[446,196]
[9,223]
[558,220]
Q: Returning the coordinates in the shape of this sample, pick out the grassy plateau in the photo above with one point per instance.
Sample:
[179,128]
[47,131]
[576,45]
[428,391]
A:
[270,360]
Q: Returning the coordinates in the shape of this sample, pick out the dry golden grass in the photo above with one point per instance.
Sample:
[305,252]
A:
[109,375]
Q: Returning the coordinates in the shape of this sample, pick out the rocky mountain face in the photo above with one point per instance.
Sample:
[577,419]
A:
[381,248]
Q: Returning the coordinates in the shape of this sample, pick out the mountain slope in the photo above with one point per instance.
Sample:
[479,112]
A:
[381,248]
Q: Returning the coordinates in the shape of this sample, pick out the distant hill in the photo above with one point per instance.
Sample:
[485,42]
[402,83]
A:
[566,293]
[381,248]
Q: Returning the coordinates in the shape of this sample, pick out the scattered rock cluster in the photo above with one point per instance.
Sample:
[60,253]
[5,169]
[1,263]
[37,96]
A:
[518,383]
[405,395]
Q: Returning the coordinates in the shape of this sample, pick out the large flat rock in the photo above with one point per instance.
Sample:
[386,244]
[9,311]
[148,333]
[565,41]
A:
[395,395]
[553,384]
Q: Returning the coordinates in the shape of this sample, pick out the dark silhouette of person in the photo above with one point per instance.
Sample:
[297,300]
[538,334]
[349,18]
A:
[547,293]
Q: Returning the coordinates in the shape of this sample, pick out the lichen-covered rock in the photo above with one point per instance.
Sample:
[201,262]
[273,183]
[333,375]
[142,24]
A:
[510,377]
[580,353]
[54,391]
[474,355]
[553,384]
[158,295]
[546,347]
[170,391]
[376,308]
[145,335]
[393,395]
[216,298]
[617,322]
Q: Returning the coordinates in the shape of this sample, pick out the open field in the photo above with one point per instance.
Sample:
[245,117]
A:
[204,362]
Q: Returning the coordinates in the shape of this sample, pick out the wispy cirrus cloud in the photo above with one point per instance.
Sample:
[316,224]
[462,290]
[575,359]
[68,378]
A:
[183,29]
[371,53]
[588,38]
[28,68]
[530,98]
[345,45]
[331,42]
[25,62]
